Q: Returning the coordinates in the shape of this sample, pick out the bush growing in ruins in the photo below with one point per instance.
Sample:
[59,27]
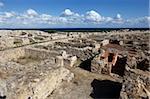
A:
[32,41]
[38,38]
[18,42]
[30,35]
[23,33]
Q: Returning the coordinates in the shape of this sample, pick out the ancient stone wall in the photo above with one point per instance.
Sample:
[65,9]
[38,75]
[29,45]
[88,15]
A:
[35,86]
[39,53]
[10,54]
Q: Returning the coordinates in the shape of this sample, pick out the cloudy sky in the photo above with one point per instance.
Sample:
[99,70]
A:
[74,13]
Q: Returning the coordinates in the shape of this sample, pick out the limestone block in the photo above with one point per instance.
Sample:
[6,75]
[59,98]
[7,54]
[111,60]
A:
[73,60]
[64,54]
[59,60]
[105,42]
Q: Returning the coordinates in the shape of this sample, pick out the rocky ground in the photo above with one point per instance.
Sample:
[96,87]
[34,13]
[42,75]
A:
[80,87]
[41,65]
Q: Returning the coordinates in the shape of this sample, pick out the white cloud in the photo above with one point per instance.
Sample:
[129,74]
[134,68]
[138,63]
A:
[118,16]
[6,17]
[140,20]
[31,13]
[45,17]
[67,18]
[118,19]
[9,14]
[145,19]
[1,4]
[68,12]
[63,20]
[93,16]
[108,19]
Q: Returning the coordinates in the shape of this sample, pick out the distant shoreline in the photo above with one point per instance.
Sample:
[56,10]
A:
[74,29]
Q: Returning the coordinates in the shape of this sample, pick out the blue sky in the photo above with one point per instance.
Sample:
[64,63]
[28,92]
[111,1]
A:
[74,13]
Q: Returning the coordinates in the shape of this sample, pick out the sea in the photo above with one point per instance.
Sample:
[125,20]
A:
[76,29]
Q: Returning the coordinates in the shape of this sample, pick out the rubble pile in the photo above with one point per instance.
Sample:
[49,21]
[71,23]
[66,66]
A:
[136,84]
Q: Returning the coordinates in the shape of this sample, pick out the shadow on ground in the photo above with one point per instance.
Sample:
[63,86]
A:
[105,89]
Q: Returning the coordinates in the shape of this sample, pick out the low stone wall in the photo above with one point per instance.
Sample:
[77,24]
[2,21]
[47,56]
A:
[44,87]
[10,54]
[35,86]
[39,53]
[16,53]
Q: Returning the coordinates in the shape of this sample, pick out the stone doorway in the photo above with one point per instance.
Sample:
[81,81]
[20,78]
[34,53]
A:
[119,67]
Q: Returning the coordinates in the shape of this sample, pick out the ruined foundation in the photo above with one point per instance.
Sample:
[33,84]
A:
[74,65]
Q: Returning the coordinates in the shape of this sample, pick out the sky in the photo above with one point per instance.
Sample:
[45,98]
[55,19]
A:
[74,14]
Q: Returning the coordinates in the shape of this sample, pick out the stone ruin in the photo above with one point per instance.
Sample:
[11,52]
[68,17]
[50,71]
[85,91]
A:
[38,65]
[109,60]
[27,72]
[26,80]
[132,65]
